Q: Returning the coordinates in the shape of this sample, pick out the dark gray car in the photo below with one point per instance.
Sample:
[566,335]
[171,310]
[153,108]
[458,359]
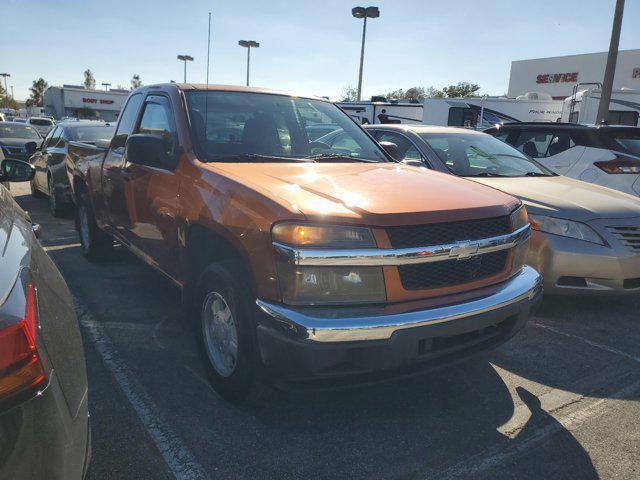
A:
[51,159]
[44,417]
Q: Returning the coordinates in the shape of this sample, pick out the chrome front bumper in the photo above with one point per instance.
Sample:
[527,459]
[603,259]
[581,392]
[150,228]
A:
[351,324]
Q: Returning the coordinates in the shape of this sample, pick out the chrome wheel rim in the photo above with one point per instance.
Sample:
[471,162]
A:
[220,334]
[84,227]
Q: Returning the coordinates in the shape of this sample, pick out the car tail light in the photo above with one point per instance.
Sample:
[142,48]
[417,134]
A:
[620,164]
[20,365]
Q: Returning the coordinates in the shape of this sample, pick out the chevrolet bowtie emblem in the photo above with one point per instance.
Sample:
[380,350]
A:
[463,250]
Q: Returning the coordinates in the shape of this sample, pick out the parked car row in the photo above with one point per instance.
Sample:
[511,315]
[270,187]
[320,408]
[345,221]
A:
[310,252]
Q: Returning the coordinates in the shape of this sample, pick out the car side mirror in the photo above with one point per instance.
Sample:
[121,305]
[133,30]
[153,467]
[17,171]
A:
[391,148]
[31,147]
[145,149]
[16,171]
[413,162]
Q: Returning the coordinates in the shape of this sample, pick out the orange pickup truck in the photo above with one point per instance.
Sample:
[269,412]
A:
[304,265]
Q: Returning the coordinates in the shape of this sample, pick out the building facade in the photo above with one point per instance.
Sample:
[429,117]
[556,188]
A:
[558,76]
[78,102]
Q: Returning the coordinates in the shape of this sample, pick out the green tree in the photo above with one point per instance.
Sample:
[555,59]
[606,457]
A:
[6,101]
[135,82]
[435,93]
[89,79]
[349,94]
[462,89]
[37,90]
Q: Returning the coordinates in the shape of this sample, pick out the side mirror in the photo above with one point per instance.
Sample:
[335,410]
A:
[16,171]
[391,148]
[413,162]
[31,147]
[145,149]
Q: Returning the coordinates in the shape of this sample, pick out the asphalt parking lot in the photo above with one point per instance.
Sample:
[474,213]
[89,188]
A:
[561,400]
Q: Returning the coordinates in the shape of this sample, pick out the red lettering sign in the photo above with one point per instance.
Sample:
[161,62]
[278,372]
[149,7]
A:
[557,77]
[108,102]
[90,100]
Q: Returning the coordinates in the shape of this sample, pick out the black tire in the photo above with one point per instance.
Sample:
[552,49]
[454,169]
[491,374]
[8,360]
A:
[244,385]
[95,244]
[34,190]
[57,206]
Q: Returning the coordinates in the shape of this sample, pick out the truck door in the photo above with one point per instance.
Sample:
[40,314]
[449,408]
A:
[152,191]
[113,210]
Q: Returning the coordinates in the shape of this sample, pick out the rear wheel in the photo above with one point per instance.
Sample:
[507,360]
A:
[225,326]
[96,245]
[56,205]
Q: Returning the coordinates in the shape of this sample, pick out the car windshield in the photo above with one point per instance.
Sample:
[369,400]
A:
[91,134]
[18,131]
[626,141]
[259,127]
[481,155]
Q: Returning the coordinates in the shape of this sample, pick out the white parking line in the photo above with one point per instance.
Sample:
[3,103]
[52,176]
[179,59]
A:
[175,453]
[587,341]
[499,453]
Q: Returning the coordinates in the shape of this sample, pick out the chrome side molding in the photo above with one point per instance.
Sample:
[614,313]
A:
[379,257]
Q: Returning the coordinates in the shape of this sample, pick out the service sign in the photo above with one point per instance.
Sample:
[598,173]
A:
[557,77]
[94,100]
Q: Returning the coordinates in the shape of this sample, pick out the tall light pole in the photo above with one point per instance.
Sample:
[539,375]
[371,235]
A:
[106,86]
[362,12]
[5,75]
[248,44]
[612,58]
[185,59]
[12,97]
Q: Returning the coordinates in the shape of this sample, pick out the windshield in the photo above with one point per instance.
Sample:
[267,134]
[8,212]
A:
[18,131]
[258,127]
[626,141]
[481,155]
[92,134]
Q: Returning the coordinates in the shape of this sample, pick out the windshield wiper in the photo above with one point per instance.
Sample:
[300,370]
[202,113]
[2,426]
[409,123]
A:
[332,157]
[537,174]
[486,174]
[255,157]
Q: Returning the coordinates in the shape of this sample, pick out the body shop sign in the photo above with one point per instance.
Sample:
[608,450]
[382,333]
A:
[102,101]
[557,77]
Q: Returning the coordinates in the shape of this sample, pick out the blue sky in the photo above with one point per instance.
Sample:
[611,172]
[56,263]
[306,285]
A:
[311,47]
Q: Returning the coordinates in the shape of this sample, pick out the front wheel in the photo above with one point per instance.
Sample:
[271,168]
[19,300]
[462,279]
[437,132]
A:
[96,245]
[58,207]
[226,330]
[34,190]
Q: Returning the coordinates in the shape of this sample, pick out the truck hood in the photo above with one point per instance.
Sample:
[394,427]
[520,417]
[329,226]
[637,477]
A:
[567,198]
[376,194]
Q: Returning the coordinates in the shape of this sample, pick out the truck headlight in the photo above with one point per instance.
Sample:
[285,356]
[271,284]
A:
[519,218]
[565,228]
[327,285]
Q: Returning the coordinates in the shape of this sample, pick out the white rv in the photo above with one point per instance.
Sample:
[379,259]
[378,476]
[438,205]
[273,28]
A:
[582,107]
[467,112]
[383,112]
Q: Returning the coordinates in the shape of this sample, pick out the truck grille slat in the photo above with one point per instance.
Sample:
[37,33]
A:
[447,232]
[452,272]
[628,236]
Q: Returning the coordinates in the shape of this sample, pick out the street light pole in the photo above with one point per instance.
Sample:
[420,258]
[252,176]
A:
[364,13]
[185,59]
[106,86]
[248,44]
[612,58]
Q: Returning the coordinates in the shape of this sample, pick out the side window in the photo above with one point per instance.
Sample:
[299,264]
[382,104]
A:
[127,121]
[462,117]
[622,117]
[406,149]
[560,142]
[502,136]
[157,119]
[47,139]
[534,143]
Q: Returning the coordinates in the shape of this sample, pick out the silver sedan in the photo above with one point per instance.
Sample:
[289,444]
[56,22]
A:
[585,239]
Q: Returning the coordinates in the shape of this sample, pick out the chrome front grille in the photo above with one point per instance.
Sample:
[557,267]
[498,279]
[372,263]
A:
[628,235]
